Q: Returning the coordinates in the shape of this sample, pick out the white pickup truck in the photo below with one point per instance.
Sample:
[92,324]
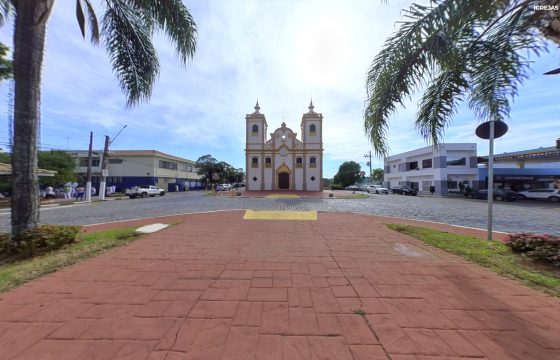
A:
[144,191]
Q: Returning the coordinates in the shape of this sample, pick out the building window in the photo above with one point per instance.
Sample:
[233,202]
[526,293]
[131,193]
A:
[167,165]
[299,162]
[452,185]
[312,129]
[426,163]
[413,165]
[94,162]
[267,162]
[312,162]
[255,162]
[255,129]
[456,161]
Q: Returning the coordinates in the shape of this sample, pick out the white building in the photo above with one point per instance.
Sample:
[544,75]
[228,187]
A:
[284,162]
[443,167]
[128,168]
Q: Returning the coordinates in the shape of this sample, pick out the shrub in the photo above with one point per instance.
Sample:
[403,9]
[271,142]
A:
[337,187]
[542,247]
[42,238]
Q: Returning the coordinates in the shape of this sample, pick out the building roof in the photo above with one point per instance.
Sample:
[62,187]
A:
[540,153]
[148,153]
[6,169]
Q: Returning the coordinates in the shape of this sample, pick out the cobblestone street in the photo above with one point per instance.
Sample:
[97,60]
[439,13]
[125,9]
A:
[520,216]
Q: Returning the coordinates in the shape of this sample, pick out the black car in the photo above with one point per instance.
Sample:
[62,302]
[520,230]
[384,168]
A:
[498,195]
[403,190]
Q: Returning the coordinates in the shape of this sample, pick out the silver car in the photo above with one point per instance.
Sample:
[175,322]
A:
[545,194]
[377,189]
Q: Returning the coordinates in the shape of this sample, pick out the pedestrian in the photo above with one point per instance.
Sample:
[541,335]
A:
[49,192]
[93,191]
[80,190]
[176,188]
[68,190]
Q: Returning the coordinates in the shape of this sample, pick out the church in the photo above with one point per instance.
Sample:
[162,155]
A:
[284,162]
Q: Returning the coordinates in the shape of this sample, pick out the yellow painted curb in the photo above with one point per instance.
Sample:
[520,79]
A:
[282,196]
[280,215]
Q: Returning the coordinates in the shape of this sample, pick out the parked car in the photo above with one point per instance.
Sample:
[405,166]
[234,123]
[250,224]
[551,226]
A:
[144,191]
[403,190]
[352,188]
[377,189]
[546,194]
[223,187]
[498,195]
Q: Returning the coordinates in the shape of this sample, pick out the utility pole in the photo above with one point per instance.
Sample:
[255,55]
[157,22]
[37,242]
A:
[368,155]
[102,185]
[90,160]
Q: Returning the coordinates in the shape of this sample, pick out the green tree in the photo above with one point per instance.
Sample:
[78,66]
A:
[348,173]
[6,68]
[59,161]
[377,174]
[207,165]
[458,50]
[5,158]
[126,31]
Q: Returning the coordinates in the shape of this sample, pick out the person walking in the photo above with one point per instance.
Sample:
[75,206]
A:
[68,190]
[49,193]
[80,190]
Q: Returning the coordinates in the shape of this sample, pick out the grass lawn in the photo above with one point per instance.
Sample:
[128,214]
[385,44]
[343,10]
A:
[13,274]
[494,255]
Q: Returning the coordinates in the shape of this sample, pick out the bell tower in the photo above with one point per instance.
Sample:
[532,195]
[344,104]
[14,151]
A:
[255,127]
[255,135]
[312,126]
[312,139]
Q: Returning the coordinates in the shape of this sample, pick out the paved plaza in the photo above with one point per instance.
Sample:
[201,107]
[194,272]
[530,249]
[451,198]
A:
[521,216]
[217,286]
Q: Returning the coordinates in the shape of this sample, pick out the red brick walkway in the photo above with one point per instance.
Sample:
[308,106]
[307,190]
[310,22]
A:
[219,287]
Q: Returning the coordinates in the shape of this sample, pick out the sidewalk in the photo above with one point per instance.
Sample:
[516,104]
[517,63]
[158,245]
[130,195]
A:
[220,287]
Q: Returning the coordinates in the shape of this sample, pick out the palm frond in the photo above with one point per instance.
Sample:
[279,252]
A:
[439,103]
[173,17]
[411,57]
[92,19]
[450,48]
[133,56]
[499,66]
[5,9]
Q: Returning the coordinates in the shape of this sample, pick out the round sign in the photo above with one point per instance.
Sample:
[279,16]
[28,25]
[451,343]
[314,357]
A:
[483,130]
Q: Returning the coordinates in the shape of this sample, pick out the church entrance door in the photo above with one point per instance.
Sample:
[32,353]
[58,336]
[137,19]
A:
[284,181]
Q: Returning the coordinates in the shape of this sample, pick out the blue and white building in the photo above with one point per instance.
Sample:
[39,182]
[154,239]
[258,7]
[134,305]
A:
[128,168]
[444,168]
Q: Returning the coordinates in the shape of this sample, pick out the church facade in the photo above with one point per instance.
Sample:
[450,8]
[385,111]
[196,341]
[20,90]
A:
[284,161]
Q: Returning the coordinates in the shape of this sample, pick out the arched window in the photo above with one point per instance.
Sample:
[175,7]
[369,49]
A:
[312,128]
[255,128]
[299,162]
[312,162]
[267,162]
[255,162]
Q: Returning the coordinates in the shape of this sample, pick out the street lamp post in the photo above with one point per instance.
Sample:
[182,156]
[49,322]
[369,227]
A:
[491,130]
[368,155]
[104,170]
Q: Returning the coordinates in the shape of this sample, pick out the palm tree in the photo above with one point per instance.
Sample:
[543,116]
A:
[126,31]
[456,50]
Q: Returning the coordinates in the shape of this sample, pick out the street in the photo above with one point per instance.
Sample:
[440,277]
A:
[520,216]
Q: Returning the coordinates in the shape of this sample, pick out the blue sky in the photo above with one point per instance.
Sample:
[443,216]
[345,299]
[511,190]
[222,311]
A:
[281,52]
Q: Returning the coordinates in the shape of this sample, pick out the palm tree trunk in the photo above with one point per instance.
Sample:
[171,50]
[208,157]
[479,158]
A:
[29,41]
